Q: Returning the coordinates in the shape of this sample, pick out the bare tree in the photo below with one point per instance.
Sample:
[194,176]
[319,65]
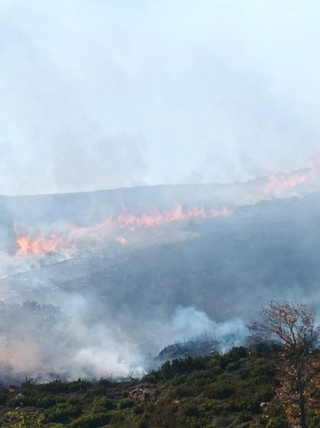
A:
[293,326]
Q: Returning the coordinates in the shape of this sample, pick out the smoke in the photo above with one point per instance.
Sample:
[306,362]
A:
[102,95]
[188,322]
[71,162]
[111,307]
[99,95]
[104,163]
[68,341]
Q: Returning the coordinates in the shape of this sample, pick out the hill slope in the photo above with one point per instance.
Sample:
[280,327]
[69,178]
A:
[115,307]
[234,390]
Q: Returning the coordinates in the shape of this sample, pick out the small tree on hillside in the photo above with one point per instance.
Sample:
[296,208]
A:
[293,325]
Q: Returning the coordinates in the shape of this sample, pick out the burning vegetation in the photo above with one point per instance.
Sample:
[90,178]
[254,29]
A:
[71,238]
[280,183]
[69,242]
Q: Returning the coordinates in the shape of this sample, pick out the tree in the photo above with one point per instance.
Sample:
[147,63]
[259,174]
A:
[293,326]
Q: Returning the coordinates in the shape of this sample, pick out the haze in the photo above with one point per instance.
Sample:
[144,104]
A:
[99,95]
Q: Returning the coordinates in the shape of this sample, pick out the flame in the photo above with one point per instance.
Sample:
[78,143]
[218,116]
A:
[281,183]
[39,245]
[157,218]
[278,184]
[100,233]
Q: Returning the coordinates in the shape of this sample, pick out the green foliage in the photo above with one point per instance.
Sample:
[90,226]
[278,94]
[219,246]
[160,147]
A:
[46,400]
[56,387]
[63,413]
[212,391]
[79,385]
[21,419]
[126,403]
[101,404]
[275,416]
[223,390]
[313,420]
[90,421]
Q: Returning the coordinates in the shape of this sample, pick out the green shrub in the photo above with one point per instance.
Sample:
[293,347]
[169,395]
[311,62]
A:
[222,391]
[244,416]
[126,403]
[276,417]
[62,413]
[46,401]
[56,387]
[79,385]
[90,421]
[22,400]
[101,404]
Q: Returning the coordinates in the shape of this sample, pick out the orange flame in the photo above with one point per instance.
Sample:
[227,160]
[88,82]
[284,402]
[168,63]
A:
[27,245]
[158,218]
[279,184]
[39,245]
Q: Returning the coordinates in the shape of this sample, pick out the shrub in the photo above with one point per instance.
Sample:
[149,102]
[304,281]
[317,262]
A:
[79,385]
[101,404]
[126,403]
[90,421]
[62,413]
[56,387]
[46,401]
[222,391]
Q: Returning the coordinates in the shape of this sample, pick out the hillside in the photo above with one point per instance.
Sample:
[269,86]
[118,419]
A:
[114,306]
[233,390]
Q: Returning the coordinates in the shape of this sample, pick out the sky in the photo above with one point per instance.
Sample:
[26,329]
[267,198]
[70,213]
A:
[104,94]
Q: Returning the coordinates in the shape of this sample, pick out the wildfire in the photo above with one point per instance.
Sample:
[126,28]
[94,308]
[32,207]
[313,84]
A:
[278,184]
[38,245]
[157,218]
[102,232]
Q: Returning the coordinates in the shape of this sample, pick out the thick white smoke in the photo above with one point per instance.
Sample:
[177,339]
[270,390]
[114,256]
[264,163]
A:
[65,338]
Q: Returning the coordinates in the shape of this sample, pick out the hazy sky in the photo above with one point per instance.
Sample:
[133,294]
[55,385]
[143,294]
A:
[109,93]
